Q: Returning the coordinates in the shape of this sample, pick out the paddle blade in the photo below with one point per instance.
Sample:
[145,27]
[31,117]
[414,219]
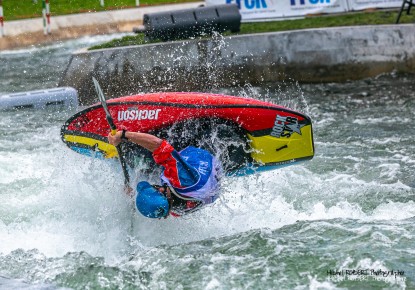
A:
[101,98]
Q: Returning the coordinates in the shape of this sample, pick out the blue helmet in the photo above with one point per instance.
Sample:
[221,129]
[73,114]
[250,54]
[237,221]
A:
[150,202]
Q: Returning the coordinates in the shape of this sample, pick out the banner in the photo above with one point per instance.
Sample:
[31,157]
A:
[262,9]
[367,4]
[274,9]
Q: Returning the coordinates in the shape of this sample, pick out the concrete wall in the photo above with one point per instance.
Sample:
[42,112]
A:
[317,55]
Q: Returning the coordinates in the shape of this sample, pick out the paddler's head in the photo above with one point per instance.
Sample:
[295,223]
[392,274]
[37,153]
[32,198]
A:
[152,201]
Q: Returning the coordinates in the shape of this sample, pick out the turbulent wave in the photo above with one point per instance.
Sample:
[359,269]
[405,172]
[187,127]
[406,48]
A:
[65,222]
[255,259]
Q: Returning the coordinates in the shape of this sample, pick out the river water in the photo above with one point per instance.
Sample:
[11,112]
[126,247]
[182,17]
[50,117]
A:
[344,220]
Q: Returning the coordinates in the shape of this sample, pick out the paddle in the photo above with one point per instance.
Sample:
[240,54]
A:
[113,132]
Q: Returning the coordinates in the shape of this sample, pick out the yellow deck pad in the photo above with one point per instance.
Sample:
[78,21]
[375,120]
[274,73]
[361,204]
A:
[107,149]
[269,149]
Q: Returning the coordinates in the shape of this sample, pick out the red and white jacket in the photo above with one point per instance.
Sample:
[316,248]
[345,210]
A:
[193,173]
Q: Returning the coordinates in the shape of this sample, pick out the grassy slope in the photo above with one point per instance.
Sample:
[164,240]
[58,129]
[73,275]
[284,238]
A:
[350,19]
[21,9]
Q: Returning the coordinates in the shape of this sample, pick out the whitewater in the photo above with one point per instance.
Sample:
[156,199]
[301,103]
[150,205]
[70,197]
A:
[343,220]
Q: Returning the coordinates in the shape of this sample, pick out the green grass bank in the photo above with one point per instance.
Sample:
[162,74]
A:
[23,9]
[350,19]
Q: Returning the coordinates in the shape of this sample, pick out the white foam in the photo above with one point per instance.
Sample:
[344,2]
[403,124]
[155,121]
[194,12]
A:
[314,284]
[76,203]
[382,120]
[394,211]
[85,41]
[83,209]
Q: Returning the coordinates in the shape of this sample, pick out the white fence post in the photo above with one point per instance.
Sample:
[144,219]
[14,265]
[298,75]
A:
[46,16]
[1,19]
[45,29]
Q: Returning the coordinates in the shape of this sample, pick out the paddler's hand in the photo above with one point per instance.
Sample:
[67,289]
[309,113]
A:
[115,139]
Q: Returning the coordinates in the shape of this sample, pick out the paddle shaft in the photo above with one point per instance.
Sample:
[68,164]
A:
[110,121]
[120,155]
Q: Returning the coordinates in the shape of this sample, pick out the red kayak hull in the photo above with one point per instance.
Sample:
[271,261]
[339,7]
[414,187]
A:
[276,135]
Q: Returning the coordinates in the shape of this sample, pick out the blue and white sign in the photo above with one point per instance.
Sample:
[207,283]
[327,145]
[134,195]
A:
[274,9]
[367,4]
[262,9]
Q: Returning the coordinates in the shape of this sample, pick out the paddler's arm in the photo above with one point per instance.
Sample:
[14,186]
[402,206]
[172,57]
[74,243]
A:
[148,141]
